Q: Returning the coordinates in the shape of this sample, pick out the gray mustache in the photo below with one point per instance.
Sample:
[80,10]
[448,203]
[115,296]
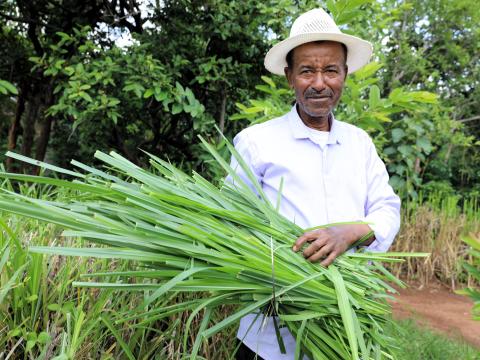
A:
[314,93]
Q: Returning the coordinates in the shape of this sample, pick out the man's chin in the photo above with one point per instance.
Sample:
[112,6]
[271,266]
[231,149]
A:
[316,113]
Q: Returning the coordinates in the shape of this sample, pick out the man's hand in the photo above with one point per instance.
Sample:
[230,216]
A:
[331,242]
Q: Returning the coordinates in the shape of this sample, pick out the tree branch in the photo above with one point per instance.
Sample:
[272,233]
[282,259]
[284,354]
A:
[25,20]
[469,119]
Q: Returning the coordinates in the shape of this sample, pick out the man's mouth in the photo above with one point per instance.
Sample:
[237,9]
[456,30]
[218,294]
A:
[318,97]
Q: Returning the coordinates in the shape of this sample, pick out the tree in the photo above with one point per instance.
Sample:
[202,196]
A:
[434,46]
[190,61]
[31,29]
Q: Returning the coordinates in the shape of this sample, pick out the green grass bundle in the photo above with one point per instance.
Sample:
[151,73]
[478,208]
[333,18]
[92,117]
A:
[187,235]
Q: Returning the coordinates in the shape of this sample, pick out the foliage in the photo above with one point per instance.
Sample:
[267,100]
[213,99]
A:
[225,236]
[43,317]
[31,29]
[7,88]
[56,293]
[211,58]
[474,270]
[275,103]
[99,89]
[433,46]
[215,49]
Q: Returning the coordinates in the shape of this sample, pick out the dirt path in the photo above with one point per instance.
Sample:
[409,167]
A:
[439,309]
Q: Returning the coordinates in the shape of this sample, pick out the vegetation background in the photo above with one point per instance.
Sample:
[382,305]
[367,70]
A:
[80,76]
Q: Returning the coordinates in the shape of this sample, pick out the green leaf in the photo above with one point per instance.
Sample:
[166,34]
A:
[30,345]
[374,97]
[31,298]
[424,97]
[298,344]
[177,108]
[346,17]
[44,338]
[405,150]
[269,81]
[472,241]
[368,70]
[397,134]
[11,282]
[345,310]
[203,326]
[160,95]
[85,96]
[424,144]
[54,307]
[9,87]
[113,102]
[148,93]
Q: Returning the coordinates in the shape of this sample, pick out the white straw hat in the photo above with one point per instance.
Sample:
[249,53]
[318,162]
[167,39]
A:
[317,25]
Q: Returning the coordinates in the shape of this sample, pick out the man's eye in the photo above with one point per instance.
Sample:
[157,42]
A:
[332,71]
[306,71]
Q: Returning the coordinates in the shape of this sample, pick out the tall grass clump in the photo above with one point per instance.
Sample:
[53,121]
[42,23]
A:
[229,245]
[43,317]
[435,224]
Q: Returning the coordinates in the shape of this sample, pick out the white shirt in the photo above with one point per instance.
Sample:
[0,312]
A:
[337,180]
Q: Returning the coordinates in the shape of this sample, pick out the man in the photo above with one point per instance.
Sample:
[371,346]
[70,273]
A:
[330,169]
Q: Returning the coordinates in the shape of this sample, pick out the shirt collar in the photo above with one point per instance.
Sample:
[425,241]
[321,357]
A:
[301,131]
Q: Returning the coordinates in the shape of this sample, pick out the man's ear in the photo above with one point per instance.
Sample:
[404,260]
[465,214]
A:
[288,74]
[346,72]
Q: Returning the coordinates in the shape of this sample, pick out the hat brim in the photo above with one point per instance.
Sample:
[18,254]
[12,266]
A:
[358,51]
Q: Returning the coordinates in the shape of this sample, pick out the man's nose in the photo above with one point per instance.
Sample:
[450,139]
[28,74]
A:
[318,82]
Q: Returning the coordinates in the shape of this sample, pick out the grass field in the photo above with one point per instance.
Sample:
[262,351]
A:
[435,225]
[419,343]
[42,316]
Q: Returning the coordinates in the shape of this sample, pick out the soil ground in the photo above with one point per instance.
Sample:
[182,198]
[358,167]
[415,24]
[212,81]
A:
[440,309]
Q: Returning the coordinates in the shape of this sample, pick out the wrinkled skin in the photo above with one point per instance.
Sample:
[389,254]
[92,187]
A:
[326,244]
[318,76]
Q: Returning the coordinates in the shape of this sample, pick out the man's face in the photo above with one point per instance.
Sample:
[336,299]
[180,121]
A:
[318,74]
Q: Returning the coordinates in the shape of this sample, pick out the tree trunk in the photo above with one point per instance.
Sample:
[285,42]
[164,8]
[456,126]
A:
[16,126]
[43,137]
[45,128]
[28,133]
[120,144]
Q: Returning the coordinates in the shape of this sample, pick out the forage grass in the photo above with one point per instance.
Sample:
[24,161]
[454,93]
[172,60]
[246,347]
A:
[57,328]
[436,225]
[185,235]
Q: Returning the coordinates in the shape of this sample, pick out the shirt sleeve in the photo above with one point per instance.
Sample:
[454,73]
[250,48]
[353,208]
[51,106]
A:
[247,151]
[382,207]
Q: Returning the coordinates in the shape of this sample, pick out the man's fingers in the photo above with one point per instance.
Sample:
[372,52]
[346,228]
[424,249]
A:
[316,246]
[302,240]
[333,255]
[321,253]
[308,236]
